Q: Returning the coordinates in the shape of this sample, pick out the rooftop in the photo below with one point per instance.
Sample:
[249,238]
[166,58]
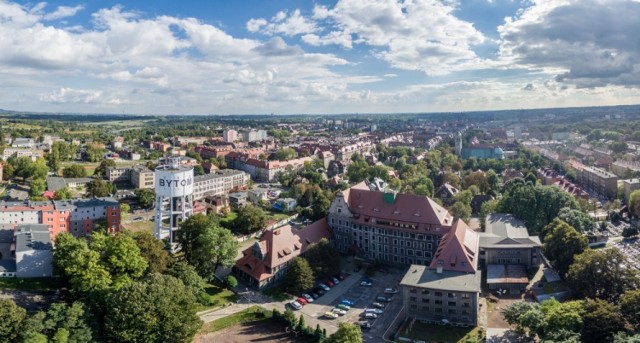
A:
[33,237]
[505,231]
[423,277]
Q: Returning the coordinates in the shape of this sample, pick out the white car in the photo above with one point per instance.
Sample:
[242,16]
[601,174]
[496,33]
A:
[390,290]
[370,315]
[330,315]
[295,304]
[308,297]
[339,311]
[373,310]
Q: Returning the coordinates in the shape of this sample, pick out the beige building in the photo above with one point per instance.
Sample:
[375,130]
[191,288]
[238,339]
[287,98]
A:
[598,181]
[33,154]
[142,177]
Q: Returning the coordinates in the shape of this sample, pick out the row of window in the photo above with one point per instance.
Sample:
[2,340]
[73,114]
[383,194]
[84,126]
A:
[441,310]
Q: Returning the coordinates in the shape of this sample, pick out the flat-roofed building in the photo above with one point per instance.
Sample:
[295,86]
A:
[34,251]
[142,177]
[598,181]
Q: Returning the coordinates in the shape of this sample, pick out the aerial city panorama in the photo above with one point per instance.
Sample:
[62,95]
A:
[326,171]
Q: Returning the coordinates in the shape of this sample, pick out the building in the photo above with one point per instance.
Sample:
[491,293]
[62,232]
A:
[507,249]
[229,135]
[395,228]
[141,177]
[118,174]
[238,199]
[630,186]
[285,204]
[33,154]
[23,143]
[33,251]
[598,181]
[257,195]
[174,198]
[55,183]
[477,150]
[218,204]
[446,291]
[446,192]
[220,182]
[266,261]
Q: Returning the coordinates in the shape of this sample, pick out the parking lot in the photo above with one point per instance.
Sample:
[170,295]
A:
[363,297]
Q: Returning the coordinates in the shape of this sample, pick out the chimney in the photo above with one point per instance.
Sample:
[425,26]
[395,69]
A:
[439,267]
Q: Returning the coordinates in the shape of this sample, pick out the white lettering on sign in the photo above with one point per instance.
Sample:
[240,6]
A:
[175,182]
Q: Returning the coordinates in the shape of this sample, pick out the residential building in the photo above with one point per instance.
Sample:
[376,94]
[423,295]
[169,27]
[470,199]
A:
[263,171]
[285,204]
[446,192]
[118,174]
[257,195]
[598,181]
[55,183]
[220,182]
[218,204]
[23,143]
[33,251]
[447,290]
[33,154]
[229,135]
[395,228]
[141,177]
[238,199]
[266,261]
[630,186]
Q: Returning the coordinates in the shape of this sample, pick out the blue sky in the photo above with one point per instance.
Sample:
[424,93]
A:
[344,56]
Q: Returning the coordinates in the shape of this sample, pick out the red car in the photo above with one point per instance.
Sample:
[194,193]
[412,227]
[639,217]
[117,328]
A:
[302,301]
[329,283]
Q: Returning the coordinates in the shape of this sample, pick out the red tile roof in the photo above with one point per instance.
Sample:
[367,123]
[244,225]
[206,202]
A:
[458,249]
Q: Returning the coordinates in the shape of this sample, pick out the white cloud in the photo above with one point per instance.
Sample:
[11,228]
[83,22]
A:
[63,12]
[283,23]
[582,42]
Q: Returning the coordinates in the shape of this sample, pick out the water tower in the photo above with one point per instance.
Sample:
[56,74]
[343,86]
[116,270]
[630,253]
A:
[174,197]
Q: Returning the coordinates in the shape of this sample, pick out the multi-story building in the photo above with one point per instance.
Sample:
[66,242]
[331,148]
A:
[396,228]
[33,154]
[264,171]
[118,174]
[630,186]
[229,135]
[219,182]
[598,181]
[447,290]
[33,251]
[24,143]
[141,177]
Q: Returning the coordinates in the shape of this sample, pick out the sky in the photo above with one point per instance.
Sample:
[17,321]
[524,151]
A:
[317,57]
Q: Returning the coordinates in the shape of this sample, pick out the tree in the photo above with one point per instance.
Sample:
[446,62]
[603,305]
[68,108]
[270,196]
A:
[99,188]
[39,169]
[146,197]
[157,309]
[561,243]
[101,170]
[53,161]
[493,181]
[94,152]
[63,194]
[322,257]
[206,245]
[634,203]
[250,219]
[67,323]
[478,179]
[623,337]
[629,231]
[74,171]
[602,274]
[81,266]
[198,170]
[37,187]
[122,258]
[526,316]
[285,154]
[347,332]
[231,281]
[602,321]
[124,211]
[630,307]
[299,275]
[190,278]
[460,210]
[11,317]
[566,316]
[153,250]
[577,219]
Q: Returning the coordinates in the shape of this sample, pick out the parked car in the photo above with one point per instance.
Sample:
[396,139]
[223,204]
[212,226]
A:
[373,310]
[302,301]
[324,287]
[343,307]
[330,315]
[391,290]
[370,315]
[319,290]
[365,325]
[314,295]
[339,311]
[329,283]
[339,276]
[383,299]
[377,305]
[296,305]
[307,297]
[366,283]
[335,281]
[348,302]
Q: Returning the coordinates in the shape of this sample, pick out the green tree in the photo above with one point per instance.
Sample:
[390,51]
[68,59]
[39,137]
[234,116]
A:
[231,281]
[250,219]
[299,275]
[285,154]
[99,188]
[53,161]
[67,323]
[602,321]
[94,152]
[101,170]
[561,243]
[74,171]
[577,219]
[630,307]
[559,316]
[493,181]
[460,210]
[198,170]
[322,258]
[629,231]
[63,194]
[634,203]
[478,179]
[623,337]
[525,316]
[37,187]
[347,332]
[157,309]
[11,317]
[602,274]
[146,197]
[122,257]
[152,250]
[190,278]
[124,211]
[39,169]
[81,266]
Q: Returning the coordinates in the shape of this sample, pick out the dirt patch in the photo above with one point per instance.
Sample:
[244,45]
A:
[494,315]
[264,331]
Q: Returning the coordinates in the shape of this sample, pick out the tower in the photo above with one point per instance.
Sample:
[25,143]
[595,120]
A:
[174,198]
[459,144]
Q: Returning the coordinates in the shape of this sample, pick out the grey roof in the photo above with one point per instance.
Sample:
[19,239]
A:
[8,266]
[505,231]
[87,202]
[217,174]
[423,277]
[33,237]
[55,183]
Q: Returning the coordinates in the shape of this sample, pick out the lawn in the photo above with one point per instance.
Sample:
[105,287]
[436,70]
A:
[277,293]
[442,333]
[139,226]
[253,313]
[218,295]
[31,284]
[227,221]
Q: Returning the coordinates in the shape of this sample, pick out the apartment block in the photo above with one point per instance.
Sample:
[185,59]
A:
[33,154]
[219,182]
[142,177]
[598,181]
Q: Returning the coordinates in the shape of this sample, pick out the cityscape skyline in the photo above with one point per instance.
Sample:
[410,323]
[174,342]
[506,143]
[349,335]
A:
[325,57]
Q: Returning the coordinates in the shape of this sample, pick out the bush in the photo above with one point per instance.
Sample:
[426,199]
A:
[231,281]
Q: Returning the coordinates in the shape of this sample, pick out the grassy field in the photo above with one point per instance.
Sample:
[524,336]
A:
[277,293]
[139,226]
[253,313]
[446,334]
[31,284]
[227,221]
[218,295]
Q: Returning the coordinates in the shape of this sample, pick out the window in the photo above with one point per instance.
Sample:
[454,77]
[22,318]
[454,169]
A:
[425,292]
[451,303]
[438,294]
[438,302]
[413,290]
[413,299]
[425,300]
[451,295]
